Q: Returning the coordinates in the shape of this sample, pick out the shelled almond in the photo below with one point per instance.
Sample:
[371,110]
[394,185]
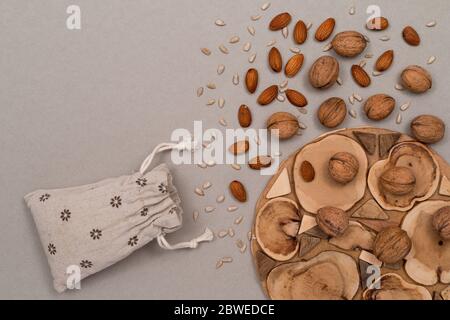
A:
[294,65]
[411,36]
[268,95]
[325,30]
[300,33]
[360,76]
[384,62]
[244,116]
[275,60]
[251,80]
[280,21]
[296,98]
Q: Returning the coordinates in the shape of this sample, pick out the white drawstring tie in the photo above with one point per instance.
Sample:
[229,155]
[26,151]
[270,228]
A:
[207,236]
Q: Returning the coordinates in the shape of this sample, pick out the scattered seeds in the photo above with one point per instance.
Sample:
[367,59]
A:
[271,43]
[211,86]
[232,208]
[255,17]
[252,58]
[351,99]
[327,47]
[251,30]
[236,166]
[362,63]
[221,102]
[199,192]
[303,110]
[431,60]
[231,232]
[222,233]
[223,49]
[249,236]
[302,126]
[206,51]
[368,55]
[352,11]
[399,119]
[284,84]
[195,215]
[227,259]
[357,97]
[211,102]
[398,86]
[281,98]
[234,39]
[239,243]
[209,209]
[431,24]
[376,73]
[285,32]
[206,185]
[200,92]
[220,69]
[219,264]
[244,247]
[238,220]
[265,6]
[247,46]
[210,163]
[339,81]
[202,165]
[405,106]
[236,79]
[219,23]
[257,140]
[385,38]
[220,198]
[223,122]
[352,113]
[309,25]
[295,50]
[277,154]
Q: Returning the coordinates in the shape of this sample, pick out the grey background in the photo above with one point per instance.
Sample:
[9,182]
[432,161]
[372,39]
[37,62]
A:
[80,106]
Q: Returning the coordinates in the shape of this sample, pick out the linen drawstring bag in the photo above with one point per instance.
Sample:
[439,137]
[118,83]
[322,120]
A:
[94,226]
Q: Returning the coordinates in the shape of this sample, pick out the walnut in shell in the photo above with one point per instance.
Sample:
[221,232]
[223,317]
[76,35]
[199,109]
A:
[349,43]
[284,124]
[332,112]
[398,181]
[324,72]
[379,107]
[441,222]
[332,221]
[343,167]
[392,245]
[416,79]
[428,128]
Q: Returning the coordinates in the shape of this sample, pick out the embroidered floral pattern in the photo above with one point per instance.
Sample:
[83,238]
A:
[86,264]
[173,210]
[96,234]
[51,249]
[141,182]
[116,202]
[133,241]
[144,212]
[65,215]
[44,197]
[162,188]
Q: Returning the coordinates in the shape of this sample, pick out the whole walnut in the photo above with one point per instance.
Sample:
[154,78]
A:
[428,129]
[324,72]
[379,106]
[332,221]
[343,167]
[332,112]
[416,79]
[441,222]
[392,245]
[398,181]
[349,43]
[285,122]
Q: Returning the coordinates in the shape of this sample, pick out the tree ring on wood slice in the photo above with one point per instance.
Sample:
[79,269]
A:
[392,287]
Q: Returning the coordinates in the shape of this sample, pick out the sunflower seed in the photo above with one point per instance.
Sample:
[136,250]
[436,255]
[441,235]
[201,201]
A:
[206,51]
[400,87]
[303,110]
[366,38]
[247,46]
[362,63]
[220,23]
[265,6]
[234,39]
[210,163]
[200,92]
[235,166]
[220,199]
[339,81]
[231,232]
[352,113]
[251,30]
[271,43]
[284,84]
[195,215]
[294,50]
[255,17]
[309,25]
[283,90]
[236,79]
[209,209]
[368,55]
[277,154]
[220,69]
[299,132]
[227,259]
[221,102]
[431,24]
[249,236]
[352,11]
[244,247]
[202,165]
[302,126]
[239,243]
[281,98]
[211,86]
[238,220]
[351,99]
[357,97]
[399,119]
[431,60]
[219,264]
[405,106]
[232,208]
[199,192]
[376,73]
[257,140]
[327,47]
[223,49]
[285,32]
[223,122]
[206,185]
[252,58]
[385,38]
[222,233]
[211,102]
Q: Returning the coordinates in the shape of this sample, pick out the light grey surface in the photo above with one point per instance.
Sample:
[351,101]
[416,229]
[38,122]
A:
[80,106]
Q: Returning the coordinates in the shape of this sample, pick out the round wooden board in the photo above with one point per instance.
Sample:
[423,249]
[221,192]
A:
[395,217]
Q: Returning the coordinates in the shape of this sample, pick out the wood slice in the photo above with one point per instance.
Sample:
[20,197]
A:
[364,136]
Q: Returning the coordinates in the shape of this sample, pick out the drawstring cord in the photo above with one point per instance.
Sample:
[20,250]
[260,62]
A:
[187,145]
